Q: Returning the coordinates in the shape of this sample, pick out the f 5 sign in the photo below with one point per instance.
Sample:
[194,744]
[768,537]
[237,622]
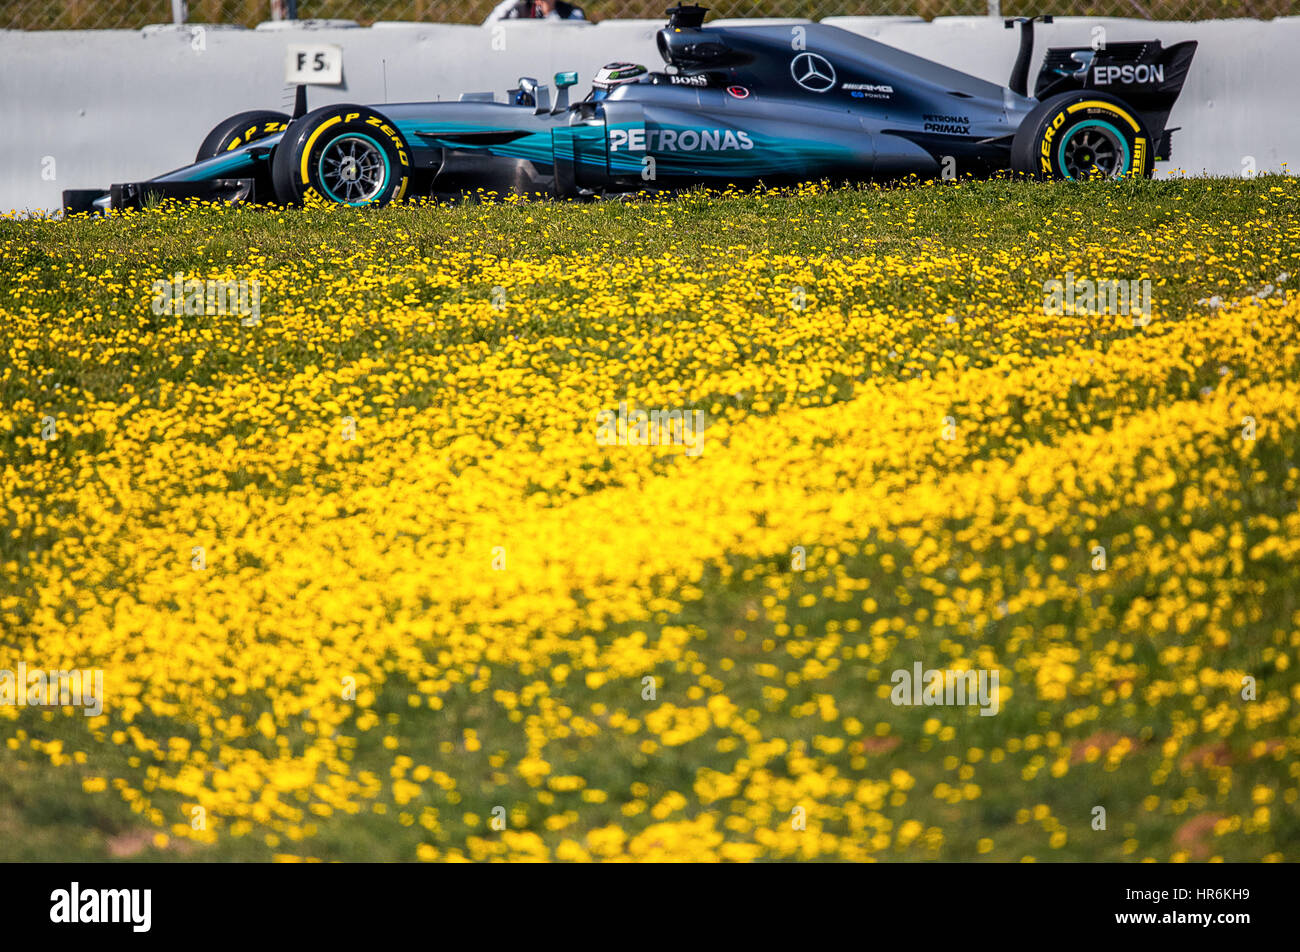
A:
[316,64]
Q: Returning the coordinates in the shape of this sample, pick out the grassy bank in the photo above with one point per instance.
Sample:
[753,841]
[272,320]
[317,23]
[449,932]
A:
[358,572]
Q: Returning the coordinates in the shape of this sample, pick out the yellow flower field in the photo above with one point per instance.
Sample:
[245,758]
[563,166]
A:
[363,583]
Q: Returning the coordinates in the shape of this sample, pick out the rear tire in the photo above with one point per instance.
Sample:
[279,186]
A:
[1080,135]
[342,155]
[241,129]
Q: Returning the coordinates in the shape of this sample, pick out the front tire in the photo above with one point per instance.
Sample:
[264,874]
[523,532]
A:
[1081,135]
[342,155]
[241,129]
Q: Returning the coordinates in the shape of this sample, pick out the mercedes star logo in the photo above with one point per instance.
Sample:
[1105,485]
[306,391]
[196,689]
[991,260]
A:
[813,72]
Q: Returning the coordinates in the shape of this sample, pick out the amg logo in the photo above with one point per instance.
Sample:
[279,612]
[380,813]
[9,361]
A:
[869,87]
[675,140]
[1128,73]
[74,905]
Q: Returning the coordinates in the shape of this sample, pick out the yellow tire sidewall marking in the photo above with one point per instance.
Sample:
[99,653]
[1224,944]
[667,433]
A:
[1098,104]
[311,140]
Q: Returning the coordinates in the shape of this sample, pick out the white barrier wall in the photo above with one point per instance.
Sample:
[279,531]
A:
[86,109]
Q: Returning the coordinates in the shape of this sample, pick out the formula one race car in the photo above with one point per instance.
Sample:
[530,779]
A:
[736,105]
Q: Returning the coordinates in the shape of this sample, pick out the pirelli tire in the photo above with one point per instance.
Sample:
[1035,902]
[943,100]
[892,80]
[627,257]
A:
[342,155]
[1083,134]
[241,129]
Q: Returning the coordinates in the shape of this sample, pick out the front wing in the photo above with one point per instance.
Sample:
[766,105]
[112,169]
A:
[232,191]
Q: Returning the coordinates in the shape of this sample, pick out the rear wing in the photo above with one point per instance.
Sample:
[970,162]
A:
[1144,74]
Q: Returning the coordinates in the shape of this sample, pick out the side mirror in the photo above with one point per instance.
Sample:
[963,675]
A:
[533,93]
[562,83]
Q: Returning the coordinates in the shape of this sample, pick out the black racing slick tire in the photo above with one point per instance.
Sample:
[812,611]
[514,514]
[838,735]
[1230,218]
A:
[241,129]
[1081,135]
[343,155]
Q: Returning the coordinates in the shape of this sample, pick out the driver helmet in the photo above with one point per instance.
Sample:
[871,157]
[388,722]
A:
[613,75]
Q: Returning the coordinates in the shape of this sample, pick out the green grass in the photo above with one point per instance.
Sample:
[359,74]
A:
[1023,233]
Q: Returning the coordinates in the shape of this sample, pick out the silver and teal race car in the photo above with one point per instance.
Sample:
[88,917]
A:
[738,105]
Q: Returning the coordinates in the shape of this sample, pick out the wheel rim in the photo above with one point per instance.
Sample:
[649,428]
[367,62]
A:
[1094,148]
[353,170]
